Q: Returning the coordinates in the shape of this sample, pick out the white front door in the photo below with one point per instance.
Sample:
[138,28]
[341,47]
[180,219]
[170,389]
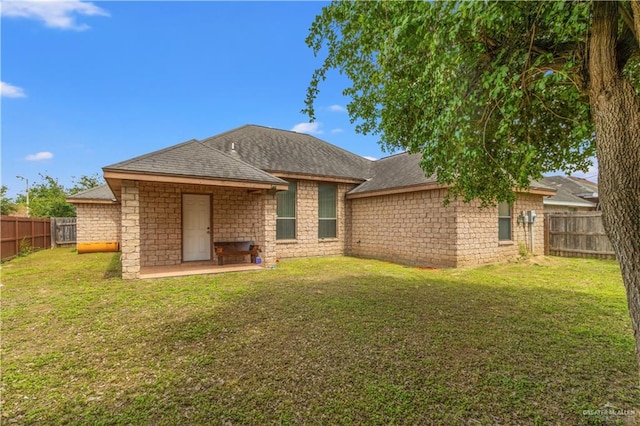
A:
[196,223]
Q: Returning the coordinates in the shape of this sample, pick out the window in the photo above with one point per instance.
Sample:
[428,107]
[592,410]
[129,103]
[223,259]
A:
[504,221]
[286,213]
[326,210]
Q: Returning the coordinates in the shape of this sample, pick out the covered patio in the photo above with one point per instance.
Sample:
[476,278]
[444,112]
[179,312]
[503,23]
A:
[195,268]
[178,202]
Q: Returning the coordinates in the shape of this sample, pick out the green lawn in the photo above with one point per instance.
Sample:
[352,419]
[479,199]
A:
[320,341]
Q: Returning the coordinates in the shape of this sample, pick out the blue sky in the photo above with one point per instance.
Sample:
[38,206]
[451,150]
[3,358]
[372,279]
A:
[90,84]
[85,85]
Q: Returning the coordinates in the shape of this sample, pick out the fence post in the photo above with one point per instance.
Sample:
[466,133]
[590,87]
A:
[547,234]
[52,229]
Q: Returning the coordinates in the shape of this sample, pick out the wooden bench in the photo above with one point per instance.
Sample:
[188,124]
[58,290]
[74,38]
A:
[235,248]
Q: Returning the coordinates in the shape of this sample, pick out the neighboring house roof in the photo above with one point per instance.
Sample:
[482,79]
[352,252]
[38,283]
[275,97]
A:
[101,193]
[288,152]
[564,198]
[572,191]
[194,159]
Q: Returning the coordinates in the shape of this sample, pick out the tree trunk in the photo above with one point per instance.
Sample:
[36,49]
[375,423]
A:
[615,109]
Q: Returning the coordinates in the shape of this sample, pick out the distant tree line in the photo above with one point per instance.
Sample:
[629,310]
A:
[47,197]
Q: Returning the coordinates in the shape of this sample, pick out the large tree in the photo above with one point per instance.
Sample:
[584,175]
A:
[494,94]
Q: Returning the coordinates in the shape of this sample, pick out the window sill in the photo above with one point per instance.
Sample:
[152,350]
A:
[506,243]
[328,240]
[286,241]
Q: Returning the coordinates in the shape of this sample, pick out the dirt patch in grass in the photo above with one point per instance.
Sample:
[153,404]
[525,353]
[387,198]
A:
[335,340]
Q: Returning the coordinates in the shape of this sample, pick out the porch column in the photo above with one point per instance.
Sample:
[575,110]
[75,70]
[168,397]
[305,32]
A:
[267,232]
[130,230]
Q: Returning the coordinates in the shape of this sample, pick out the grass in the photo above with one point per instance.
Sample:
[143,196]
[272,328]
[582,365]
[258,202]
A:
[319,341]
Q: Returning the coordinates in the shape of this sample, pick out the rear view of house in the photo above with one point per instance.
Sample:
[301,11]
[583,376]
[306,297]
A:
[293,195]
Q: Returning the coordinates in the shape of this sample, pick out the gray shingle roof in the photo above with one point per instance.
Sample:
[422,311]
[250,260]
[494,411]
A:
[565,198]
[396,171]
[403,170]
[195,159]
[290,152]
[571,184]
[101,192]
[569,191]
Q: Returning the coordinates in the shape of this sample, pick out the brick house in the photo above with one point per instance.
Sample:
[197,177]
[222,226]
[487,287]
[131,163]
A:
[573,194]
[294,195]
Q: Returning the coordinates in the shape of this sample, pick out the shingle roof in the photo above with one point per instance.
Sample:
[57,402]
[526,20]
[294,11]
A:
[403,170]
[101,192]
[571,184]
[193,158]
[396,171]
[565,198]
[290,152]
[570,190]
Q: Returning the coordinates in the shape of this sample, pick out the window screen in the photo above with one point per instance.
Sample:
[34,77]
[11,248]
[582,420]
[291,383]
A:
[327,210]
[504,221]
[286,213]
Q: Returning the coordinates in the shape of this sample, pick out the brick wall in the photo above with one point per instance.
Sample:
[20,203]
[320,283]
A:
[478,232]
[130,244]
[98,222]
[237,215]
[413,228]
[307,242]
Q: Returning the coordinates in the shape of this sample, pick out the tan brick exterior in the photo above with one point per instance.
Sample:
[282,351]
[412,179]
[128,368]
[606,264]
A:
[307,242]
[477,232]
[415,228]
[98,223]
[412,227]
[236,215]
[130,244]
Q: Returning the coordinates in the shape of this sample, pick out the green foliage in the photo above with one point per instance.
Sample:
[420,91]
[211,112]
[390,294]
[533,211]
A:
[7,205]
[47,198]
[85,182]
[493,94]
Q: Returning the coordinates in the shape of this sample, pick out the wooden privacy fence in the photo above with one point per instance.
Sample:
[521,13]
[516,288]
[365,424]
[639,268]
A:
[63,231]
[576,235]
[23,234]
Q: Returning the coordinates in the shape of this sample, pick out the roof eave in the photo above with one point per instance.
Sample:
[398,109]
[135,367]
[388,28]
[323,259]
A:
[90,201]
[114,179]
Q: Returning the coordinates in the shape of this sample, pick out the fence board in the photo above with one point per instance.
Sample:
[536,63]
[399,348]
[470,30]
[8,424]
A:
[577,235]
[63,230]
[19,233]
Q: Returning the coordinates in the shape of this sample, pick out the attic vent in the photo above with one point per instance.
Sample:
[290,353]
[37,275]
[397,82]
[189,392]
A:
[233,148]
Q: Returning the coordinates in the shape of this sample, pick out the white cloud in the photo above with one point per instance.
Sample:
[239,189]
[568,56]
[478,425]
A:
[338,130]
[368,157]
[54,13]
[337,108]
[310,128]
[10,91]
[39,156]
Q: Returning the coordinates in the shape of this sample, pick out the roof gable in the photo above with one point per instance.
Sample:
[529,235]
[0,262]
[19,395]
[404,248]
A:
[396,171]
[99,193]
[285,151]
[194,159]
